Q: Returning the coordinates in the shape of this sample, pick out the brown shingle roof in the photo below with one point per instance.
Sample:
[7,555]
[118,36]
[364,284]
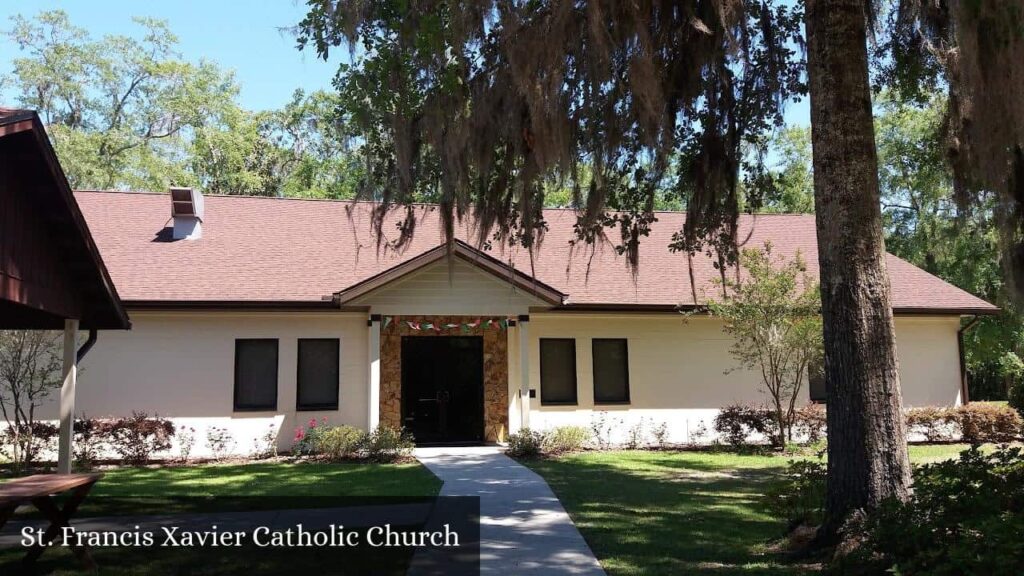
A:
[293,250]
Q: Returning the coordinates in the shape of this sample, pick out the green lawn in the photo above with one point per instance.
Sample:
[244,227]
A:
[263,485]
[666,513]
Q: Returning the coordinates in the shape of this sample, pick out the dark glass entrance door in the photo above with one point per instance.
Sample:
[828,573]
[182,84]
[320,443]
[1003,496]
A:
[442,388]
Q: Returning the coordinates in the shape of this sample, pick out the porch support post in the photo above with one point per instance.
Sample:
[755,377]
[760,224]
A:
[524,370]
[67,396]
[373,390]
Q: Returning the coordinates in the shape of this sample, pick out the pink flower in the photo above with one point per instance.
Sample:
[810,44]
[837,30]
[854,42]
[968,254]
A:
[299,434]
[312,422]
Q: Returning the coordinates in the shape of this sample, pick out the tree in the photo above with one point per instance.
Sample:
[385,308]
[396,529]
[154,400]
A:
[791,186]
[317,141]
[31,363]
[481,105]
[235,156]
[781,179]
[118,109]
[973,50]
[773,317]
[867,450]
[481,102]
[129,113]
[926,225]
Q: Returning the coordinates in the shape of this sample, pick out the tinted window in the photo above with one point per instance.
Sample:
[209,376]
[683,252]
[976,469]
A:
[557,371]
[611,370]
[256,374]
[318,374]
[816,383]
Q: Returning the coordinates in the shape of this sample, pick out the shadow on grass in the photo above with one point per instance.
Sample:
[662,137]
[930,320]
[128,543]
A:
[668,514]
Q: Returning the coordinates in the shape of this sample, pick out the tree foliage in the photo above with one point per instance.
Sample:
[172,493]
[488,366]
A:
[116,108]
[773,316]
[975,50]
[31,362]
[127,112]
[480,105]
[960,244]
[787,183]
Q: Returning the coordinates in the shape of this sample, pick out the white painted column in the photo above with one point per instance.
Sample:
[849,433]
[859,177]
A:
[67,397]
[373,389]
[524,370]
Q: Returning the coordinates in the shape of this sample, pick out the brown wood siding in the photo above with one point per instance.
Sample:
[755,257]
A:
[33,266]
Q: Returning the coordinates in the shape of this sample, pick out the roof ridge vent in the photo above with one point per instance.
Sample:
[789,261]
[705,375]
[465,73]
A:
[187,213]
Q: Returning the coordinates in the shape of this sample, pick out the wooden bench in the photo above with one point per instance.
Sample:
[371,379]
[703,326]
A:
[39,491]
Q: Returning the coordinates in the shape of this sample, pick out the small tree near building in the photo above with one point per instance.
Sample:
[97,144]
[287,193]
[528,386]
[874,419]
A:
[774,316]
[30,370]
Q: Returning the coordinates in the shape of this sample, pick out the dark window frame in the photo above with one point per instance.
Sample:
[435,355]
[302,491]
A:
[593,360]
[298,371]
[575,375]
[277,384]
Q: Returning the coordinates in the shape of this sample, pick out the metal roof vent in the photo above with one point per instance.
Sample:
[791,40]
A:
[187,213]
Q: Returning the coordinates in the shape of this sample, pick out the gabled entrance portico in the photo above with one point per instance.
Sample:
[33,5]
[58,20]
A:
[465,293]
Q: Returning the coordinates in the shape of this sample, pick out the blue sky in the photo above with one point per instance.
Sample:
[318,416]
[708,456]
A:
[239,35]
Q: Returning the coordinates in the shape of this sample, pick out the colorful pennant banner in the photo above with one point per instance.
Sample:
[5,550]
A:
[464,327]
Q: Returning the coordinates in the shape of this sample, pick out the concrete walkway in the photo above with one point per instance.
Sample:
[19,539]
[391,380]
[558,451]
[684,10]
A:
[523,527]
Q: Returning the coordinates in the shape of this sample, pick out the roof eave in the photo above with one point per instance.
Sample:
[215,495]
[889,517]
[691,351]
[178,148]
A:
[114,317]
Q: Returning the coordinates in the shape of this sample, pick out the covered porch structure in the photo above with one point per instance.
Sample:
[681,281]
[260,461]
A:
[51,273]
[474,309]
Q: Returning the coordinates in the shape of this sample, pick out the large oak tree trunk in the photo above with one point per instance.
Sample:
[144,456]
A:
[867,450]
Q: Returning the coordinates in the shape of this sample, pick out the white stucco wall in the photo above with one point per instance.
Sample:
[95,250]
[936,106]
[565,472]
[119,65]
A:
[679,371]
[181,365]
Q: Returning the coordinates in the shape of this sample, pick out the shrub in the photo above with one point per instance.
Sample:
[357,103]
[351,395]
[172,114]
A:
[810,422]
[963,518]
[186,441]
[601,430]
[697,434]
[984,422]
[90,437]
[387,444]
[525,443]
[24,444]
[935,424]
[307,440]
[219,441]
[565,439]
[1016,398]
[266,445]
[136,438]
[635,435]
[736,423]
[799,497]
[339,442]
[660,434]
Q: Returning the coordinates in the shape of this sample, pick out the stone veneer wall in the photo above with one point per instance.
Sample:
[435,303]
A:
[495,368]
